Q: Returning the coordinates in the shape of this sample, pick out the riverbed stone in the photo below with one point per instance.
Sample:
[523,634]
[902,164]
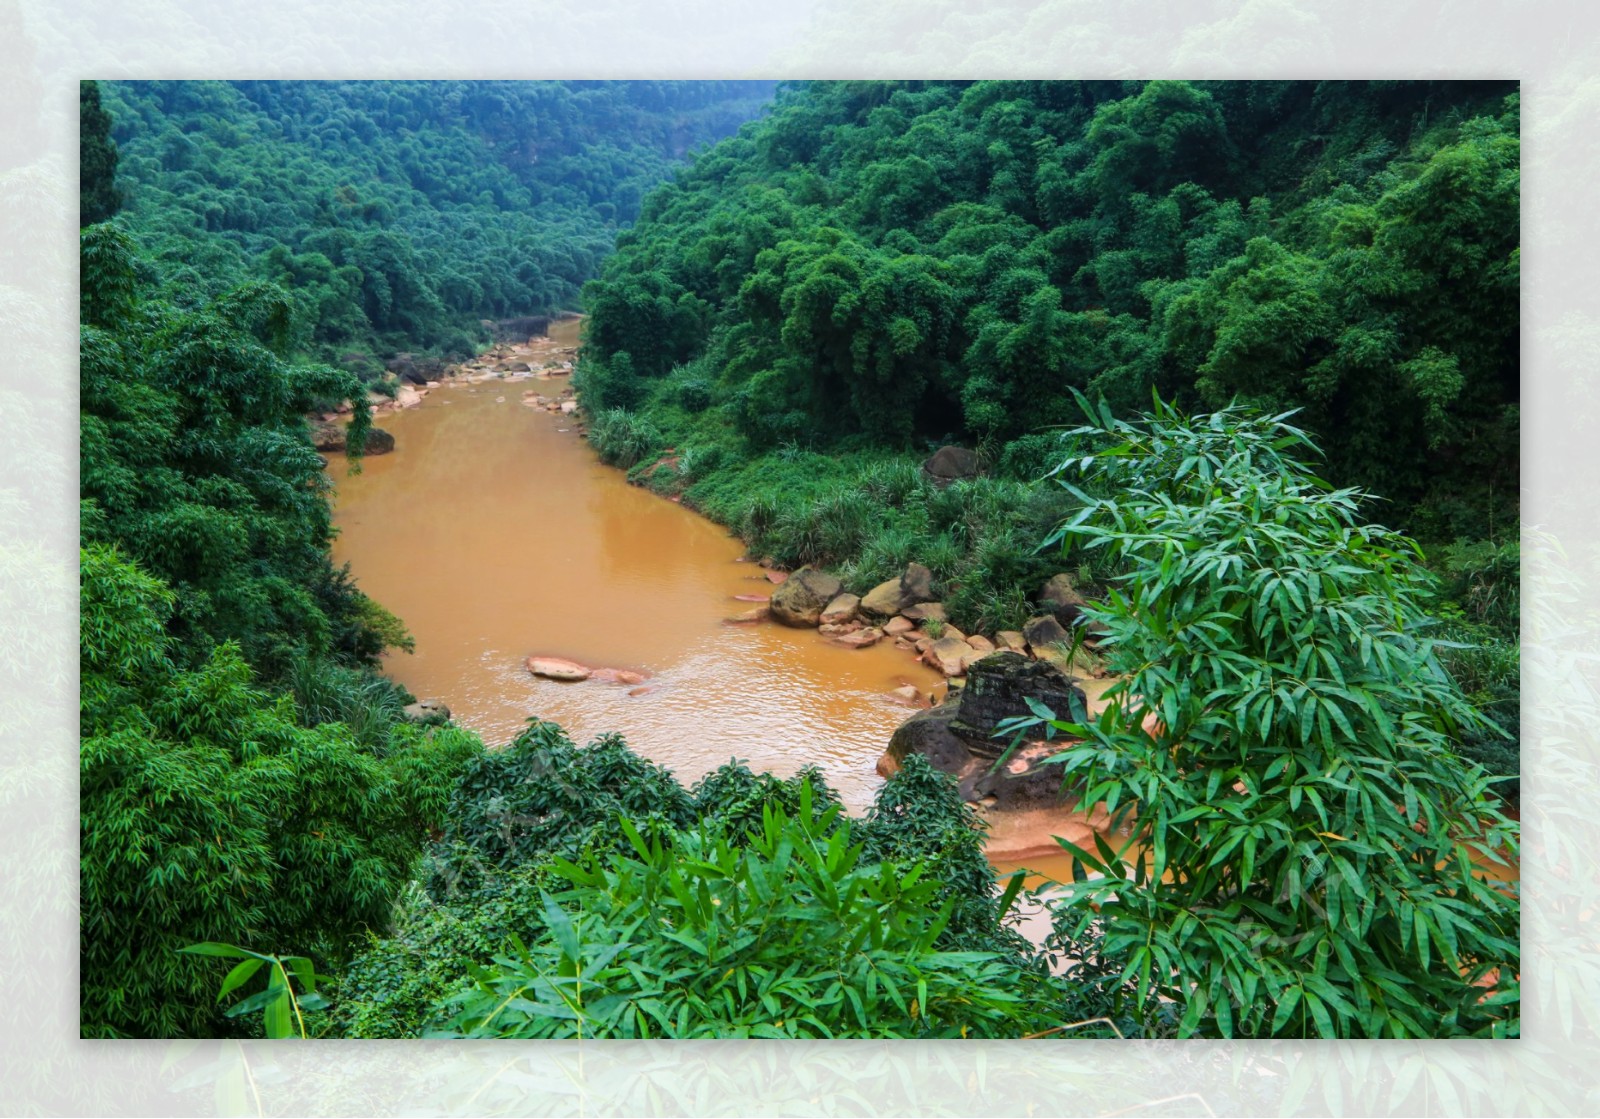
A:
[915,585]
[926,611]
[981,643]
[859,639]
[748,617]
[625,676]
[841,609]
[558,668]
[1011,639]
[1044,630]
[948,655]
[428,712]
[898,625]
[801,598]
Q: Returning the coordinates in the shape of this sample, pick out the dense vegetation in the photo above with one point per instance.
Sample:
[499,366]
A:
[883,264]
[399,214]
[584,892]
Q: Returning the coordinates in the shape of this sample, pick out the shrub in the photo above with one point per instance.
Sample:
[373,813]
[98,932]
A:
[785,932]
[624,439]
[1308,826]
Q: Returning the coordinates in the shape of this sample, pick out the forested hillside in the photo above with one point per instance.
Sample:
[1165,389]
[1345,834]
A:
[399,214]
[893,264]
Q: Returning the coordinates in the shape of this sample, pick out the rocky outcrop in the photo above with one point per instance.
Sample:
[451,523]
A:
[894,595]
[957,737]
[950,464]
[801,598]
[999,687]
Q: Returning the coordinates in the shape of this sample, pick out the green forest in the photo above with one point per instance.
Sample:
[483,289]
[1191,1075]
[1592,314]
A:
[1241,355]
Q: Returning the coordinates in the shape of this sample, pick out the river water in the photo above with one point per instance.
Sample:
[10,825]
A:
[495,533]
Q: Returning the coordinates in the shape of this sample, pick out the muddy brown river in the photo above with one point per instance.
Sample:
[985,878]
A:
[495,533]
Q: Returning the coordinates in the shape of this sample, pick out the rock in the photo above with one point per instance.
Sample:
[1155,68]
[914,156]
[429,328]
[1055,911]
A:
[1012,640]
[801,598]
[948,655]
[641,691]
[902,643]
[998,688]
[334,436]
[909,695]
[922,643]
[1081,663]
[956,737]
[748,617]
[428,712]
[859,639]
[895,595]
[1061,599]
[926,611]
[833,629]
[841,609]
[949,464]
[776,577]
[762,598]
[928,733]
[618,676]
[558,668]
[407,397]
[981,643]
[894,627]
[1044,630]
[569,406]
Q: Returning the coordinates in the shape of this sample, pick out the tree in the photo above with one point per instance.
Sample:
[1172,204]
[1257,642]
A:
[1282,748]
[98,196]
[208,813]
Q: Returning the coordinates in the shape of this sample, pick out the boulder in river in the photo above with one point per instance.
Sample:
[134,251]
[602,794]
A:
[558,668]
[801,598]
[957,737]
[428,712]
[889,598]
[999,687]
[618,676]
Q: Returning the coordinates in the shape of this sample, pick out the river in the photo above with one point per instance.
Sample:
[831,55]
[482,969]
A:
[495,533]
